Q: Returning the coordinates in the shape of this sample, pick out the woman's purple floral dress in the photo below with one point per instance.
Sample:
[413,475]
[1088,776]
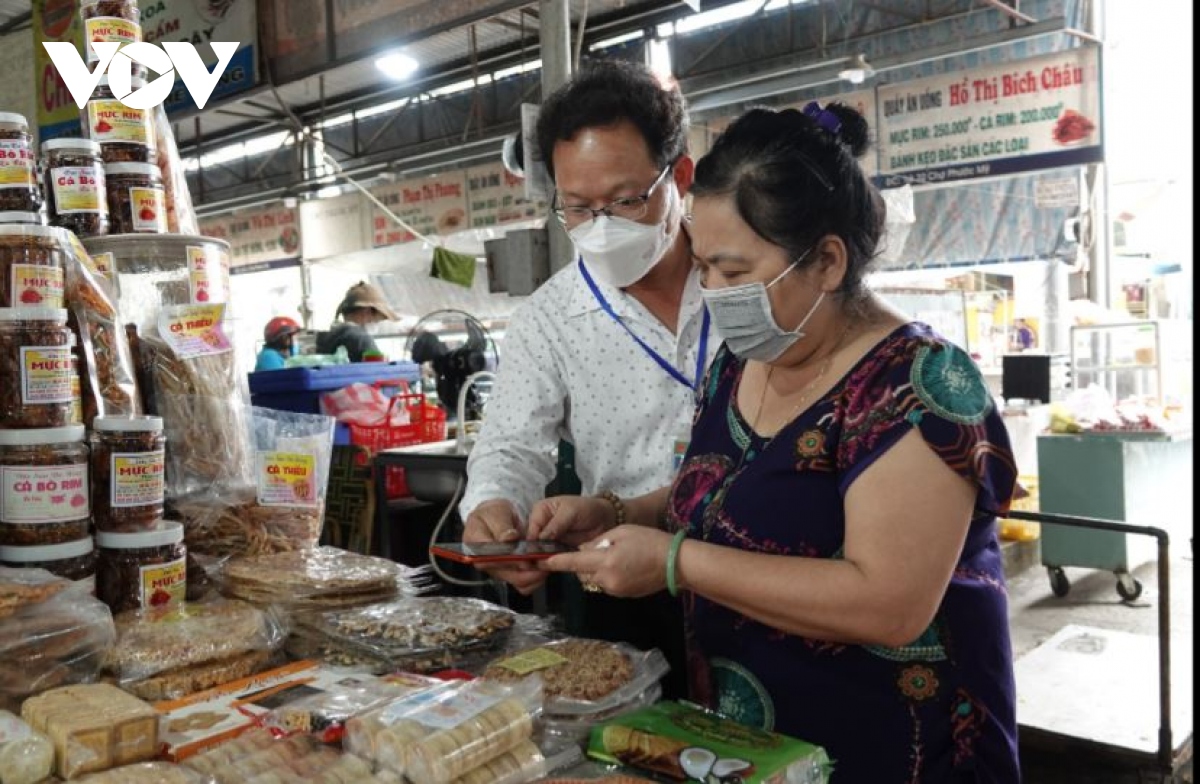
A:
[940,709]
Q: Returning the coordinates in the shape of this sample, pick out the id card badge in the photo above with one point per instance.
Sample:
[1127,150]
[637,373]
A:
[679,449]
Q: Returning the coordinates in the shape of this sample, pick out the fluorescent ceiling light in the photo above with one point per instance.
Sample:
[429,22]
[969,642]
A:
[617,41]
[397,65]
[857,70]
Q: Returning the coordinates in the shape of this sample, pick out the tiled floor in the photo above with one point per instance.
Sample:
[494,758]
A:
[1036,615]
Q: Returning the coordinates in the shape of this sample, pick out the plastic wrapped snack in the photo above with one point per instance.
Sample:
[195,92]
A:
[584,677]
[148,773]
[20,588]
[415,625]
[56,634]
[26,755]
[256,756]
[440,735]
[181,215]
[167,653]
[237,524]
[522,764]
[109,381]
[323,711]
[576,729]
[174,289]
[318,577]
[674,739]
[94,727]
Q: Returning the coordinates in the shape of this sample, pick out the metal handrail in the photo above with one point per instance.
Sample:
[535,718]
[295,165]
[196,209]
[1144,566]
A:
[1166,746]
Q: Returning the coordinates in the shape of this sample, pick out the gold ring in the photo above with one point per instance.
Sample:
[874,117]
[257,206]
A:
[591,587]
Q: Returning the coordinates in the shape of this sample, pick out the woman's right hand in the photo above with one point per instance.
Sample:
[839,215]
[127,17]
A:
[571,519]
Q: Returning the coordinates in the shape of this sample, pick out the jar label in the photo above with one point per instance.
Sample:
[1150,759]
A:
[194,330]
[104,263]
[137,478]
[149,209]
[111,121]
[16,164]
[209,273]
[101,29]
[287,479]
[43,494]
[46,375]
[163,585]
[79,189]
[37,285]
[77,402]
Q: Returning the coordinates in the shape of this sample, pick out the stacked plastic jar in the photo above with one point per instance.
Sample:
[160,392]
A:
[44,510]
[142,558]
[19,191]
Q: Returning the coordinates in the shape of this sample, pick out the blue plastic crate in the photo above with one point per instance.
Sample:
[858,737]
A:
[300,389]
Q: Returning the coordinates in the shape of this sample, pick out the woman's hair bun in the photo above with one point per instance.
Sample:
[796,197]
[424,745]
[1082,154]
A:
[854,132]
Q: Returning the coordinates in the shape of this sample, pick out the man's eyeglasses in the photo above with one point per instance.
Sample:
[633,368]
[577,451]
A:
[631,208]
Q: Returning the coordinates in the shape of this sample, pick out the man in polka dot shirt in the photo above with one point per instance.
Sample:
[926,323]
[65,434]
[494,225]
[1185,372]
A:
[607,354]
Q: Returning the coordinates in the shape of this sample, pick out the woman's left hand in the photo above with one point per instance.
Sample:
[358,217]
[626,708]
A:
[629,561]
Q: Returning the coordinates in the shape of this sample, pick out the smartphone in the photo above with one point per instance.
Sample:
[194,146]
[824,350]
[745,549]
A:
[499,552]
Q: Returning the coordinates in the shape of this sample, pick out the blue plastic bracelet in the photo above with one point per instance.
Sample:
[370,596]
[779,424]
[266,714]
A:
[673,559]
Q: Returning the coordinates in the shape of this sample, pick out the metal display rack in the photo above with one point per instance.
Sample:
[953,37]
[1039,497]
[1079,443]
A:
[1165,762]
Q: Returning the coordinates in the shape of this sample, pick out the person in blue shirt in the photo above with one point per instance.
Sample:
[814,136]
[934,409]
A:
[278,335]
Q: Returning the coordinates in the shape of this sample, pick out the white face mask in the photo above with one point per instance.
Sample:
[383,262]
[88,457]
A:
[742,314]
[621,252]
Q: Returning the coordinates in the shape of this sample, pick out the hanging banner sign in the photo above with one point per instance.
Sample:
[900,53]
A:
[435,205]
[1034,114]
[259,239]
[498,198]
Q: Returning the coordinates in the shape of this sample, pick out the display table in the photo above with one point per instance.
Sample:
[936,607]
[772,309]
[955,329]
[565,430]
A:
[1138,478]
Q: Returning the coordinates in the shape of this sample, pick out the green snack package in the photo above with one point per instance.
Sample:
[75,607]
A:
[682,742]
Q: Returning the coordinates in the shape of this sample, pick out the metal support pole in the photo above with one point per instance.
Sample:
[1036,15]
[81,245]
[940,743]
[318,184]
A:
[1057,326]
[554,21]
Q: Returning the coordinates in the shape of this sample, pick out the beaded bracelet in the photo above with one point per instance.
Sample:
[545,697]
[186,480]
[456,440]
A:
[618,506]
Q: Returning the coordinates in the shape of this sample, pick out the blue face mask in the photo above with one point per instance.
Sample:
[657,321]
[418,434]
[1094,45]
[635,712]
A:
[742,315]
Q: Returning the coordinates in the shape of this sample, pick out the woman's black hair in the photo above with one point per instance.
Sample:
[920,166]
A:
[795,179]
[606,92]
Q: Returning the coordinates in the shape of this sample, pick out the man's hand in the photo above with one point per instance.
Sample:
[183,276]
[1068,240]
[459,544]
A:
[496,521]
[571,519]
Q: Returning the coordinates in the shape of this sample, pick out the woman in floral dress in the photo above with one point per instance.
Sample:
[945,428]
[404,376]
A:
[832,530]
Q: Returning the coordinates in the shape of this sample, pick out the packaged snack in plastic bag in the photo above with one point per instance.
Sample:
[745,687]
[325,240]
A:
[584,677]
[576,729]
[23,587]
[94,727]
[683,742]
[26,755]
[167,653]
[57,633]
[148,773]
[109,381]
[322,709]
[415,625]
[284,509]
[257,756]
[319,577]
[173,293]
[439,735]
[181,214]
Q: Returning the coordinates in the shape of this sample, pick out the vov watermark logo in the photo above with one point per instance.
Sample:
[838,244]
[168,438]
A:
[178,56]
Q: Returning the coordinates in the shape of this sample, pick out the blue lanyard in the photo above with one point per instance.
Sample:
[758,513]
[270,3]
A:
[664,364]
